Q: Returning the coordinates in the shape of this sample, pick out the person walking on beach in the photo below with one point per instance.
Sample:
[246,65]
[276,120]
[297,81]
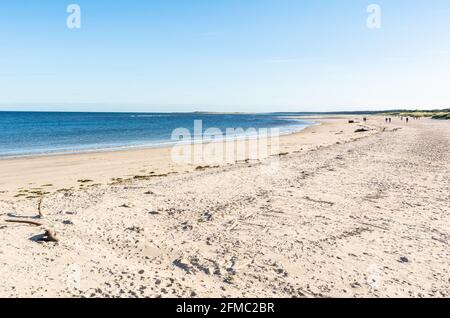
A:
[407,120]
[390,120]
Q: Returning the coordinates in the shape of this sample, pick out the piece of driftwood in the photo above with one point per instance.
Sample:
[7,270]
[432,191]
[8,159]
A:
[48,236]
[39,206]
[24,222]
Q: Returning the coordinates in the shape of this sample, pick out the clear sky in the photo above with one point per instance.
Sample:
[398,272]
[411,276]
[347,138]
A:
[224,55]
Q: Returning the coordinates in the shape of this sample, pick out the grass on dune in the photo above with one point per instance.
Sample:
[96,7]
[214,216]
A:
[435,114]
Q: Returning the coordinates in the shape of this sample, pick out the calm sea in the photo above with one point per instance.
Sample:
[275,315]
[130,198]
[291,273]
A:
[33,133]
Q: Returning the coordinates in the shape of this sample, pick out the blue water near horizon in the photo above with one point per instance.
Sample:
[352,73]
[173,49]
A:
[40,133]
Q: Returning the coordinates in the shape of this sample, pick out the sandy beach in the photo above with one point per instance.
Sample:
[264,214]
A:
[34,175]
[343,214]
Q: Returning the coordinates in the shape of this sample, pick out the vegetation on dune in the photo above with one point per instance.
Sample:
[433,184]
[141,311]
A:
[435,114]
[442,116]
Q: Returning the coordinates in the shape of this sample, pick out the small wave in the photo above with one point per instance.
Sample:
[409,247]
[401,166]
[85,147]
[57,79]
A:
[149,116]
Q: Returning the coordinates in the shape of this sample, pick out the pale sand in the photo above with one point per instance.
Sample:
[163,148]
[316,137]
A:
[344,214]
[52,173]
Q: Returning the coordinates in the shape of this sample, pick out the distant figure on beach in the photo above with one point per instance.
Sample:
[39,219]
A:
[364,119]
[390,120]
[401,118]
[386,120]
[407,120]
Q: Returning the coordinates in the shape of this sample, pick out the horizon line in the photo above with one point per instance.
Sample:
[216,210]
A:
[231,112]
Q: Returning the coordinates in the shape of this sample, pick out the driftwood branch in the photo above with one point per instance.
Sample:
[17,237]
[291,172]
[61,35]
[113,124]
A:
[39,206]
[49,236]
[24,222]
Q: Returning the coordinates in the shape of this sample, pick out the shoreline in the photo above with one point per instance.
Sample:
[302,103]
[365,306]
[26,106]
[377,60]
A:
[159,145]
[117,132]
[48,174]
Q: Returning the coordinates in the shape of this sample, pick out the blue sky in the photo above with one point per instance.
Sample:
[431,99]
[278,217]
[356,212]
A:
[224,55]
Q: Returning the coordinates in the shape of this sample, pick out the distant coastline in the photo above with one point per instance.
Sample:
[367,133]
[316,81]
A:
[393,111]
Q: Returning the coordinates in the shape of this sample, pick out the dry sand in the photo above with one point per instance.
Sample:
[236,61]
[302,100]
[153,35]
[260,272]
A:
[344,214]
